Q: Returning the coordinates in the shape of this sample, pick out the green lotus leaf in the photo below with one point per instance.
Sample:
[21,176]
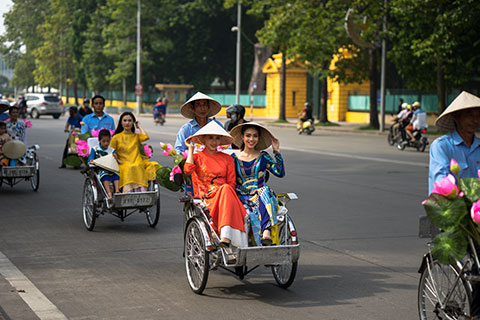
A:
[443,212]
[84,136]
[450,246]
[163,178]
[471,188]
[74,161]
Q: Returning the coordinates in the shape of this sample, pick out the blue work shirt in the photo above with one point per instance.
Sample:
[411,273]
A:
[452,146]
[75,121]
[187,130]
[91,121]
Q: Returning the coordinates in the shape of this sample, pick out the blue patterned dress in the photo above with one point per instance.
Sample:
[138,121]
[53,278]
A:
[258,199]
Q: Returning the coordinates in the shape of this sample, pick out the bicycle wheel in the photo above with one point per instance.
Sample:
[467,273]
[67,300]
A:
[284,274]
[196,258]
[89,207]
[153,213]
[437,283]
[35,180]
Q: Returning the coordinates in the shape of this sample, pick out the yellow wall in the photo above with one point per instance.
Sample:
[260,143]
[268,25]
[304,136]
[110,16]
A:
[296,81]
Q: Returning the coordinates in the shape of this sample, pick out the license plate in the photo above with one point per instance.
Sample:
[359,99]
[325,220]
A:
[137,200]
[12,172]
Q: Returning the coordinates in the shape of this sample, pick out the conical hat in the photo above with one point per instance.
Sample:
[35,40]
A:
[212,128]
[464,100]
[14,149]
[264,141]
[4,106]
[107,162]
[187,108]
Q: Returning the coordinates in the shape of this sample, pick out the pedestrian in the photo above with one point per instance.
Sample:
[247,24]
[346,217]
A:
[73,124]
[200,108]
[98,119]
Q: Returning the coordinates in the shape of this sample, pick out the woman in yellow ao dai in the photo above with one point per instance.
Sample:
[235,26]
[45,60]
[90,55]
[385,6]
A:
[135,171]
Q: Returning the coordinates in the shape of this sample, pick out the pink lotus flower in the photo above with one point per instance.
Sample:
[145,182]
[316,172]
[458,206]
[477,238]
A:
[446,187]
[95,132]
[168,149]
[185,154]
[28,123]
[475,212]
[175,170]
[148,151]
[454,167]
[74,132]
[478,174]
[82,148]
[7,120]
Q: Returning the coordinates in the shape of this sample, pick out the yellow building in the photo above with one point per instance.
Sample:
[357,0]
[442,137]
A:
[296,92]
[295,87]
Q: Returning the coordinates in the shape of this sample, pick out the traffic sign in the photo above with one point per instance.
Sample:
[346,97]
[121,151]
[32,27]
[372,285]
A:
[138,89]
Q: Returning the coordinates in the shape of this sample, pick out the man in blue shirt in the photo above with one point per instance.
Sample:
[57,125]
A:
[98,119]
[200,108]
[462,119]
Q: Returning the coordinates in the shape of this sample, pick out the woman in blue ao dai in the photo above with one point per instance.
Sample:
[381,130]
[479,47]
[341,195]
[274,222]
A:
[251,165]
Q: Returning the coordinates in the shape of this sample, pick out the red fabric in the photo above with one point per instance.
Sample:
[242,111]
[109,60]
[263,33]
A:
[213,177]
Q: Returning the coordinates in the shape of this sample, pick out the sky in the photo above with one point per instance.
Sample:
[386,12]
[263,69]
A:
[4,7]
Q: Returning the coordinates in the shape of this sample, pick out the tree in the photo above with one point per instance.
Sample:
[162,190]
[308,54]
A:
[21,38]
[435,43]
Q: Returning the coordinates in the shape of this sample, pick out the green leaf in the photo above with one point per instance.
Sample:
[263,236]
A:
[471,188]
[73,161]
[450,246]
[163,178]
[445,213]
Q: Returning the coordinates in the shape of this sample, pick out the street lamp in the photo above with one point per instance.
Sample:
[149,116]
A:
[238,29]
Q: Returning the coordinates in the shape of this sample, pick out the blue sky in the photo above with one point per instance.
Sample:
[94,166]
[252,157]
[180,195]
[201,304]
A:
[4,7]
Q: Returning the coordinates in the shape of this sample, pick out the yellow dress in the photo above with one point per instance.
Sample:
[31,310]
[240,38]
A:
[133,168]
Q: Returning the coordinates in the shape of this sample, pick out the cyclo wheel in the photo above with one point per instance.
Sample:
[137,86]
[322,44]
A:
[89,208]
[153,213]
[35,180]
[284,274]
[436,283]
[196,257]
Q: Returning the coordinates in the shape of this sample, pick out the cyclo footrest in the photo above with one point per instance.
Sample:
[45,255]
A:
[473,278]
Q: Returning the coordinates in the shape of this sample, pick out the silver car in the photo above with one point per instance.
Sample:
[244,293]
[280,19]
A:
[43,104]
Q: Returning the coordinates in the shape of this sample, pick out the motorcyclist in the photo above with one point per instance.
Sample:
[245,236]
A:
[22,106]
[85,108]
[404,122]
[418,121]
[396,120]
[237,114]
[305,115]
[159,109]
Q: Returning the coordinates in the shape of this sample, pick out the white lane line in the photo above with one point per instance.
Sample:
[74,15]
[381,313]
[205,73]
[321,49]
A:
[33,297]
[352,156]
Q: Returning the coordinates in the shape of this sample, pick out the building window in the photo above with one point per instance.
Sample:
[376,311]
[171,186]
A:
[293,98]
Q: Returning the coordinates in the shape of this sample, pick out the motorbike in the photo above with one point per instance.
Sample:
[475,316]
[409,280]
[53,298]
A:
[159,118]
[305,127]
[420,143]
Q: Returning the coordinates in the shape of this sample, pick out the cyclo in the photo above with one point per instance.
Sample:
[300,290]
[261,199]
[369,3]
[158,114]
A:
[15,173]
[95,199]
[203,253]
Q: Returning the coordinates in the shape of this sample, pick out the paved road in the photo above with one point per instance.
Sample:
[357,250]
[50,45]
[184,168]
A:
[357,219]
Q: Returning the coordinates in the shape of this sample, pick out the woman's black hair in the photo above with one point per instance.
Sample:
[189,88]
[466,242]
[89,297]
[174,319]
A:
[249,126]
[98,96]
[119,125]
[104,133]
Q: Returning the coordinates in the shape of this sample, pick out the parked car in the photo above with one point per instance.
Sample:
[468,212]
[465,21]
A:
[43,104]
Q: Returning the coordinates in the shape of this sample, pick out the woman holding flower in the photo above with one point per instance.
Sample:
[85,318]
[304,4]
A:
[135,170]
[213,175]
[251,165]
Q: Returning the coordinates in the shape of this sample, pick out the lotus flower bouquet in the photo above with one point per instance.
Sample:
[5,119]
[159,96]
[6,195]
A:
[165,175]
[454,207]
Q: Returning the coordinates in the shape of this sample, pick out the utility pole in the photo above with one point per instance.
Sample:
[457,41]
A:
[382,74]
[239,51]
[138,86]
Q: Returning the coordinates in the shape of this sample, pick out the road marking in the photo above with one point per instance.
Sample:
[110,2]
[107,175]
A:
[352,156]
[33,297]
